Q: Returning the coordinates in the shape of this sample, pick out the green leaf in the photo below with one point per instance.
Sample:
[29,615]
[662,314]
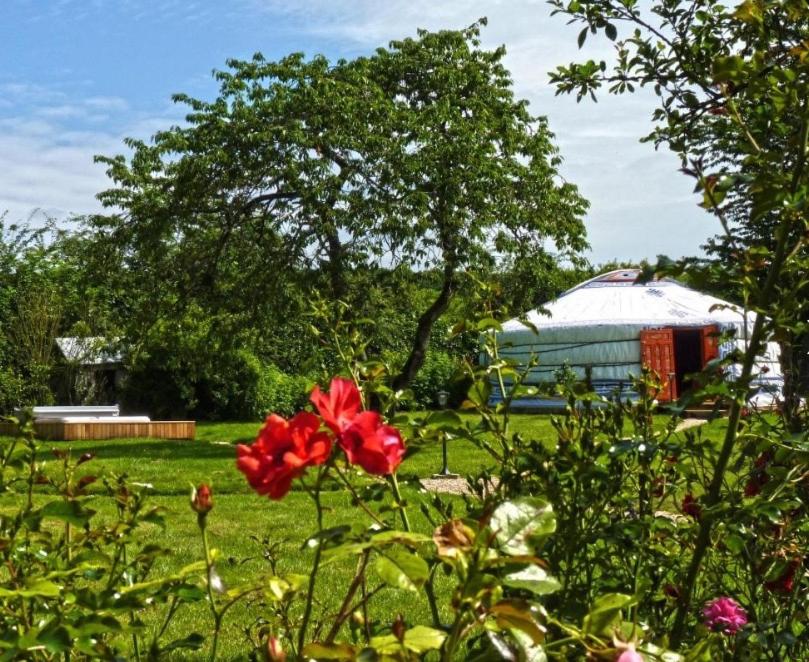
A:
[701,652]
[518,615]
[749,12]
[193,642]
[95,625]
[446,419]
[610,31]
[582,37]
[479,392]
[67,511]
[38,589]
[55,638]
[534,579]
[329,651]
[401,537]
[605,611]
[421,639]
[402,570]
[522,524]
[189,592]
[531,652]
[489,324]
[727,68]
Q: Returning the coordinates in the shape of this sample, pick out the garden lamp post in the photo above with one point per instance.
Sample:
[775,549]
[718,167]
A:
[442,397]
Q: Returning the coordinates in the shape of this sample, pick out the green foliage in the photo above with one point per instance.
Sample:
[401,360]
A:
[276,391]
[437,374]
[76,583]
[12,388]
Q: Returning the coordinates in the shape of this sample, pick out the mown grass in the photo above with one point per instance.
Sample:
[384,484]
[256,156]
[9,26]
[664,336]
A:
[241,520]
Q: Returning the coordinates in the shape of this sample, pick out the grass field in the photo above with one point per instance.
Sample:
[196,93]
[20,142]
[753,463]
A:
[240,517]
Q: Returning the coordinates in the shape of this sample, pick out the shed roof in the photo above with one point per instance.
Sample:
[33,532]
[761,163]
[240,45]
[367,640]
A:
[89,351]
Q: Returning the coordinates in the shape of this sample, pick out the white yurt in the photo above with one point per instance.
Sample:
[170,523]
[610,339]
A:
[613,325]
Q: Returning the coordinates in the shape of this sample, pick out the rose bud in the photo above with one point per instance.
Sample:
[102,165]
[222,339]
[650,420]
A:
[398,627]
[201,499]
[86,457]
[275,651]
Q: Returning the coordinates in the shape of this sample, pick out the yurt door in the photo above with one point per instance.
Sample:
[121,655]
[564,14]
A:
[710,343]
[657,353]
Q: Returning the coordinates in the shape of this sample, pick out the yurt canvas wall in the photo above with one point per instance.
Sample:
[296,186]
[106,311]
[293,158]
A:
[614,325]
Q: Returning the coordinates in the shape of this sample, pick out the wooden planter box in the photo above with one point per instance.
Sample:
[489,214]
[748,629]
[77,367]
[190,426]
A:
[59,431]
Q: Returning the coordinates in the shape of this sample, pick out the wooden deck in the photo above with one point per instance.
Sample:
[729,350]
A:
[58,431]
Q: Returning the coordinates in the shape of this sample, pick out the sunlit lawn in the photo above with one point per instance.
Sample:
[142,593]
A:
[240,518]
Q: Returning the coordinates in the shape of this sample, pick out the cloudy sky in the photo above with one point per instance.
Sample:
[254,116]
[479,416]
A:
[76,76]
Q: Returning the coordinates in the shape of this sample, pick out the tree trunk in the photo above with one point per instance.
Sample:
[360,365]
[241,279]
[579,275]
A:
[790,348]
[335,267]
[421,341]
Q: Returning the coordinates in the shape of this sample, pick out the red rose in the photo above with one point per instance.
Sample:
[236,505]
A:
[282,452]
[786,581]
[365,439]
[691,507]
[340,405]
[376,447]
[758,477]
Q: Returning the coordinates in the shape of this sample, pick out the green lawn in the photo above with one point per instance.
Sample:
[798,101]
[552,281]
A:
[239,516]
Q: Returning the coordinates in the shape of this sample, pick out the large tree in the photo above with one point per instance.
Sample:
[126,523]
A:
[302,171]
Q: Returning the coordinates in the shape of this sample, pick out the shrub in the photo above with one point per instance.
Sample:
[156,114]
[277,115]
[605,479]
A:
[11,391]
[277,391]
[435,375]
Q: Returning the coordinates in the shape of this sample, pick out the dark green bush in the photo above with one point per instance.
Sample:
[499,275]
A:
[278,392]
[435,375]
[246,388]
[11,391]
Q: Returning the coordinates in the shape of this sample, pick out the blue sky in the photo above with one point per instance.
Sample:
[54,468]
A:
[76,76]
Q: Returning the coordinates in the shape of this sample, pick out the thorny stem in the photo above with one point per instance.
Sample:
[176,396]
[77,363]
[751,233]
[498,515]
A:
[429,589]
[31,473]
[175,602]
[345,607]
[310,591]
[452,642]
[217,617]
[398,496]
[357,499]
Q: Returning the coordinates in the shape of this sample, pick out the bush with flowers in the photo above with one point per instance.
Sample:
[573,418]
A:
[578,546]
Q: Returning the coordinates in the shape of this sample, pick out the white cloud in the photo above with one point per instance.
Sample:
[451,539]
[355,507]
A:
[47,145]
[640,204]
[106,103]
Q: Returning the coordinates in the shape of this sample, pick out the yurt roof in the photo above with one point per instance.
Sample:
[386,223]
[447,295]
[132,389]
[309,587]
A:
[617,298]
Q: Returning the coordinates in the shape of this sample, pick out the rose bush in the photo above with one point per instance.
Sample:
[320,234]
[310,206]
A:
[571,546]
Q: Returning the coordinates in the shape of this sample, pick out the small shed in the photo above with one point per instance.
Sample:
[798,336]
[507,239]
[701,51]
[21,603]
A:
[613,325]
[92,368]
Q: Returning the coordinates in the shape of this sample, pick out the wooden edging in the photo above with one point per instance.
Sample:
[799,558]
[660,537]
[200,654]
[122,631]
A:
[60,431]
